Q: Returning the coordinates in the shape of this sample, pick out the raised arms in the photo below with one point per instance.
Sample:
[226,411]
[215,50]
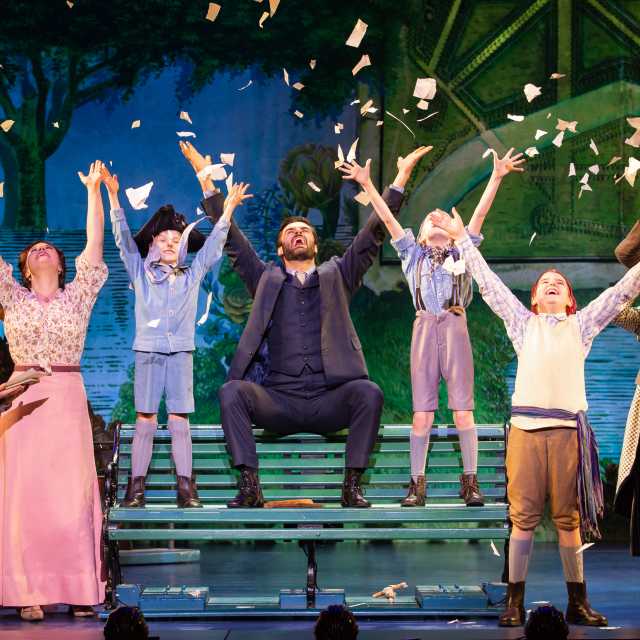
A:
[95,213]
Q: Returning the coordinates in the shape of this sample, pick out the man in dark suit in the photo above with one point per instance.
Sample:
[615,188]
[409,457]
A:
[299,364]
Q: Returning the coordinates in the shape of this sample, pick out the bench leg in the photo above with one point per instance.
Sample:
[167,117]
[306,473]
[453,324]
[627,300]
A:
[114,574]
[309,548]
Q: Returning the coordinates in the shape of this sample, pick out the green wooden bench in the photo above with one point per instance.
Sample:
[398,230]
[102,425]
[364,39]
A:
[307,466]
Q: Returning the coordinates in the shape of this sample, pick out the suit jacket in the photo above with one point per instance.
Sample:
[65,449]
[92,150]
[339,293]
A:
[340,278]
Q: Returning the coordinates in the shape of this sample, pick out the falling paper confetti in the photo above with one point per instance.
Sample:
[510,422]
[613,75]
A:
[205,315]
[540,133]
[455,267]
[557,76]
[563,125]
[1,189]
[365,107]
[405,111]
[357,34]
[273,7]
[572,169]
[184,115]
[213,11]
[135,124]
[298,114]
[584,187]
[548,115]
[312,63]
[154,323]
[494,550]
[6,125]
[531,91]
[229,182]
[314,186]
[213,171]
[227,158]
[356,101]
[595,169]
[69,4]
[584,179]
[631,170]
[379,123]
[351,156]
[614,160]
[423,104]
[138,195]
[337,128]
[584,547]
[263,17]
[298,86]
[56,125]
[531,152]
[185,134]
[199,211]
[246,86]
[285,75]
[634,140]
[340,161]
[435,113]
[400,121]
[362,198]
[425,88]
[364,62]
[592,146]
[557,141]
[515,118]
[533,235]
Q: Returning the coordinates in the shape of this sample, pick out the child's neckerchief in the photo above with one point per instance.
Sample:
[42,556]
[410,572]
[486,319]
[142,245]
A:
[437,256]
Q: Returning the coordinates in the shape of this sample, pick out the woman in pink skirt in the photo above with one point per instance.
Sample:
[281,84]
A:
[50,516]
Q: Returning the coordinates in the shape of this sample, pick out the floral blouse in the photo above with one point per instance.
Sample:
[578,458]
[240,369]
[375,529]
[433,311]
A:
[50,333]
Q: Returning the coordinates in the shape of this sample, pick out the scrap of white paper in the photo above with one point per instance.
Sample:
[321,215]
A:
[285,75]
[273,6]
[263,17]
[337,128]
[213,171]
[213,11]
[572,169]
[298,86]
[205,315]
[199,211]
[362,198]
[584,179]
[614,160]
[312,63]
[357,34]
[557,76]
[456,267]
[228,158]
[135,124]
[584,547]
[405,111]
[69,4]
[1,189]
[298,114]
[379,123]
[229,182]
[548,115]
[246,85]
[186,134]
[314,186]
[453,621]
[592,146]
[56,124]
[423,105]
[494,550]
[425,88]
[435,113]
[351,156]
[138,195]
[364,62]
[584,187]
[356,101]
[531,91]
[154,323]
[557,141]
[340,161]
[595,169]
[533,235]
[540,133]
[631,170]
[531,152]
[184,115]
[401,122]
[563,125]
[365,107]
[515,118]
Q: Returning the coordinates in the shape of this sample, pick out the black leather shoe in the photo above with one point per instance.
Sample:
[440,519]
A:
[417,495]
[134,498]
[352,495]
[249,490]
[187,493]
[470,491]
[579,611]
[514,614]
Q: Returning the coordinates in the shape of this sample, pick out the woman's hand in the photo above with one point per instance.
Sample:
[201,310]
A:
[237,195]
[8,395]
[452,225]
[353,171]
[93,179]
[110,180]
[193,156]
[508,163]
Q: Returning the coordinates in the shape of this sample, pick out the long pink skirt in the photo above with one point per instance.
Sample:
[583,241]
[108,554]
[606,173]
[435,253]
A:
[50,515]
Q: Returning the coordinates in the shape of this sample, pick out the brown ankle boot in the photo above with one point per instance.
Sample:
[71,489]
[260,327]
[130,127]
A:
[417,495]
[470,491]
[514,613]
[134,498]
[352,495]
[249,490]
[187,494]
[579,611]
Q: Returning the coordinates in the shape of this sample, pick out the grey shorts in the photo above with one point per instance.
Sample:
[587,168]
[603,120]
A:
[440,348]
[168,374]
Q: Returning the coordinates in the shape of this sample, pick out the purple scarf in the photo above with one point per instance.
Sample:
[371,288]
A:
[590,492]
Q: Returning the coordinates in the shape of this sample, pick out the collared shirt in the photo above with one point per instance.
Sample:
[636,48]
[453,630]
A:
[592,319]
[436,285]
[166,310]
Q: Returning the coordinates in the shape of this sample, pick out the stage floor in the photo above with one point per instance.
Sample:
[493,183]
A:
[361,568]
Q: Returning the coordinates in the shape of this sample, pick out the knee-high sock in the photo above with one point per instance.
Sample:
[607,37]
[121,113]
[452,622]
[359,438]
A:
[419,446]
[469,448]
[519,554]
[572,564]
[181,445]
[142,447]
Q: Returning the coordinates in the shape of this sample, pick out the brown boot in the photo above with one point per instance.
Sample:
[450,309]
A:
[249,490]
[134,498]
[187,497]
[579,611]
[417,495]
[352,495]
[514,614]
[470,491]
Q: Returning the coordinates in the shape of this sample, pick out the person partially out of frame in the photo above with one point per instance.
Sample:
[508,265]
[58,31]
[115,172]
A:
[50,513]
[440,344]
[551,449]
